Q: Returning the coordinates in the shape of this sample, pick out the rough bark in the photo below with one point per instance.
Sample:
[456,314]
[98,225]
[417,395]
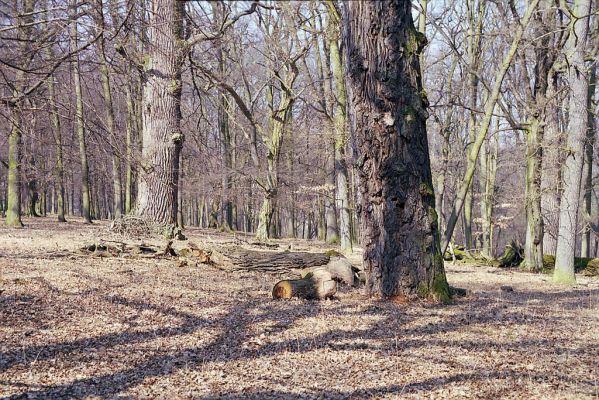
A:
[275,262]
[398,221]
[161,107]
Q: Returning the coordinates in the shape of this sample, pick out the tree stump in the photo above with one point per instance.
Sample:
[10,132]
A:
[317,285]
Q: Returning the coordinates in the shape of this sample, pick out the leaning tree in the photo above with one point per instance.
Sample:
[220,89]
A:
[399,232]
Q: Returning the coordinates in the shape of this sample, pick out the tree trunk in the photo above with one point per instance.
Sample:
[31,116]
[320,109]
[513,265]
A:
[161,107]
[24,32]
[340,119]
[59,169]
[396,209]
[13,207]
[483,128]
[551,176]
[85,192]
[488,173]
[533,247]
[117,203]
[476,16]
[585,248]
[577,80]
[129,150]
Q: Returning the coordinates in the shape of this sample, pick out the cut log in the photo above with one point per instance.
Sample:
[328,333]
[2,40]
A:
[340,269]
[316,285]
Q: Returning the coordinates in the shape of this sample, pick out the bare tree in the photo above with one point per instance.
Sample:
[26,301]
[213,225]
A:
[399,229]
[577,77]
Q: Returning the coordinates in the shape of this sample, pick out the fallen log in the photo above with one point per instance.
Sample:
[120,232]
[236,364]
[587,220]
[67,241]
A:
[266,261]
[316,285]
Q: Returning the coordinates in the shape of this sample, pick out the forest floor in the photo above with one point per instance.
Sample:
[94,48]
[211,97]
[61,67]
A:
[87,327]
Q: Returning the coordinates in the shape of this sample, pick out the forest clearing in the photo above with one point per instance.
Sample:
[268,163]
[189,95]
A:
[104,327]
[322,199]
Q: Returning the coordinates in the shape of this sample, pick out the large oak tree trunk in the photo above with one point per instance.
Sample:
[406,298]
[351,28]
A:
[161,107]
[399,229]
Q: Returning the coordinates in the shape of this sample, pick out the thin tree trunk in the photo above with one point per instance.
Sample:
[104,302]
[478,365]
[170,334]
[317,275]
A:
[340,120]
[117,203]
[24,32]
[585,249]
[13,207]
[129,150]
[476,11]
[484,126]
[551,176]
[85,192]
[59,168]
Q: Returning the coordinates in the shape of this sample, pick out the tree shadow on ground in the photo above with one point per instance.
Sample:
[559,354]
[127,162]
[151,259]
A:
[236,328]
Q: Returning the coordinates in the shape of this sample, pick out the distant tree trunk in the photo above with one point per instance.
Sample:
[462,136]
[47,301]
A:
[117,188]
[24,32]
[476,16]
[577,126]
[446,131]
[340,119]
[161,107]
[331,231]
[223,109]
[85,191]
[58,198]
[587,176]
[483,128]
[551,177]
[279,117]
[533,247]
[59,168]
[398,220]
[13,207]
[488,173]
[129,150]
